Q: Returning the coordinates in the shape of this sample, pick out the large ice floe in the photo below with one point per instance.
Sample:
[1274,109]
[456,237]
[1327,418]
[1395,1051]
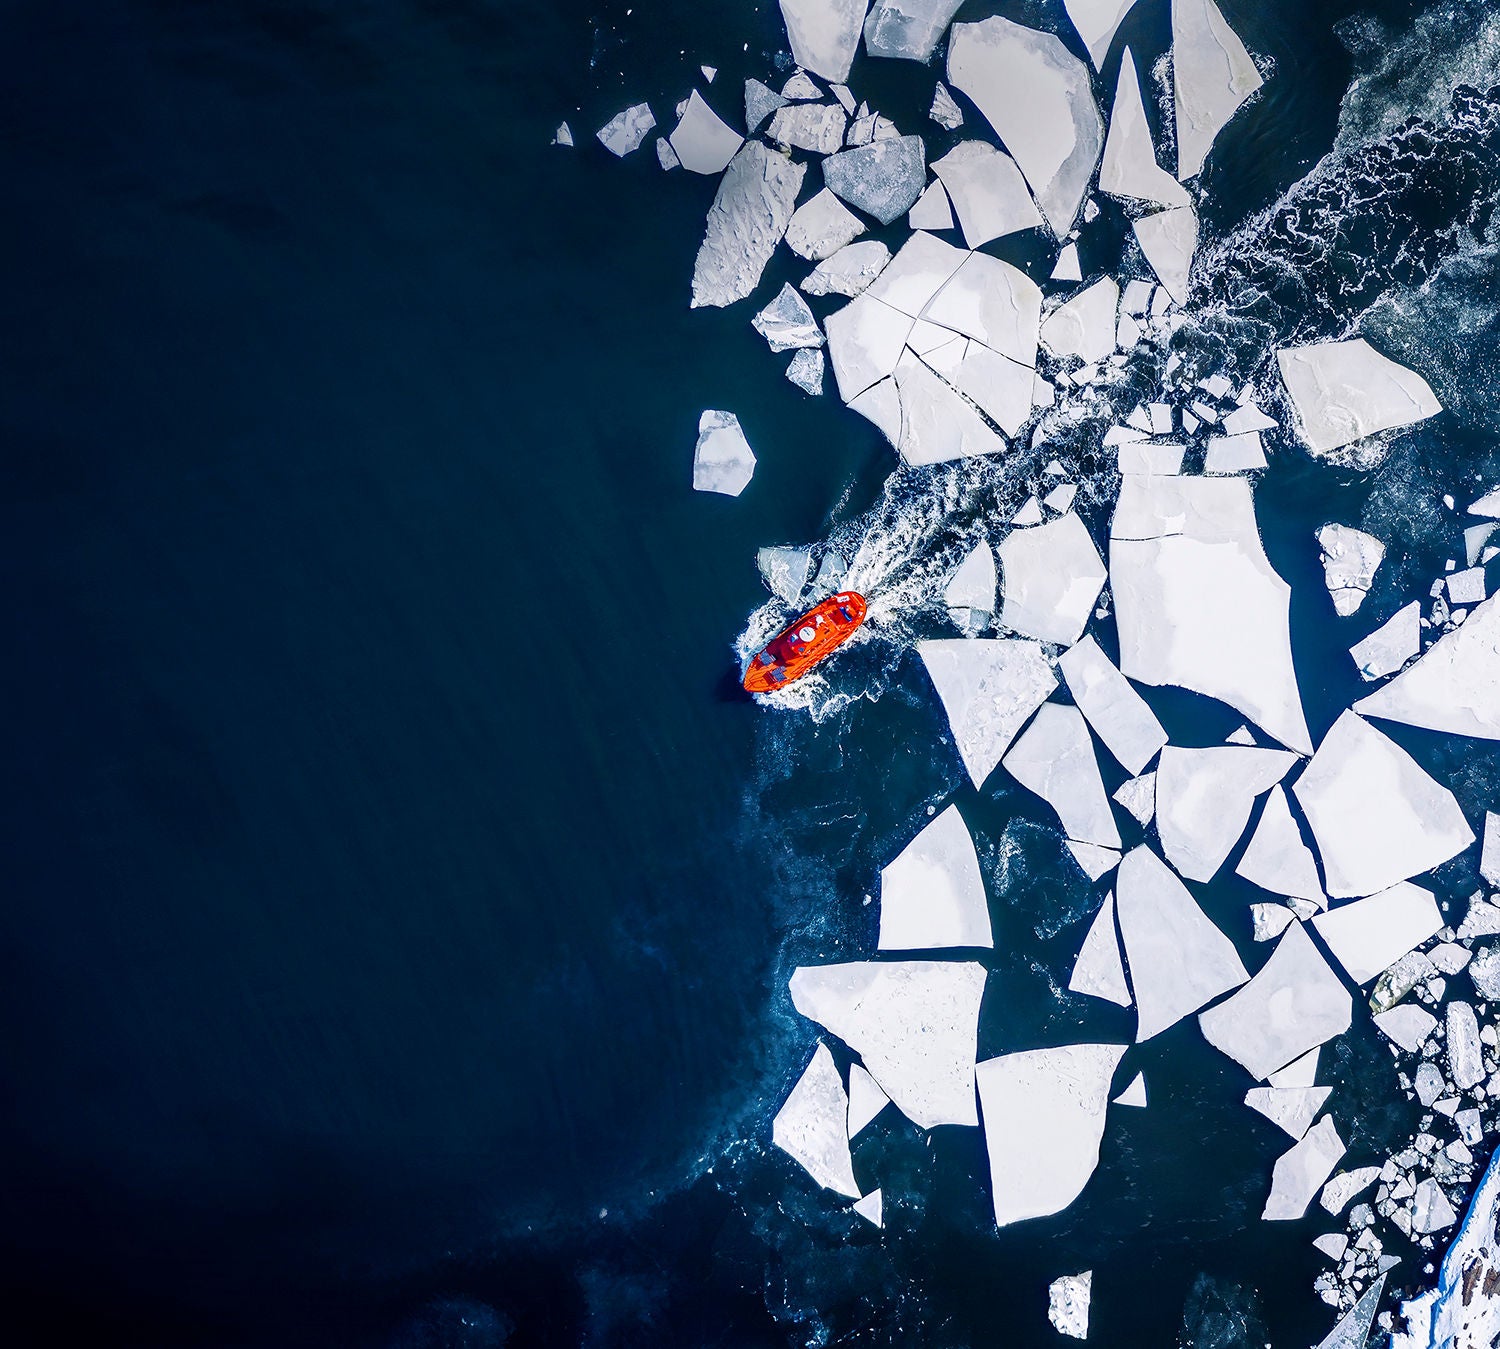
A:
[989,689]
[748,218]
[1121,718]
[811,1126]
[1052,576]
[932,894]
[824,34]
[1054,757]
[1212,74]
[1204,798]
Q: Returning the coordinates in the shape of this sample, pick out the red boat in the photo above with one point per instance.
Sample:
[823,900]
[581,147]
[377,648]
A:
[805,643]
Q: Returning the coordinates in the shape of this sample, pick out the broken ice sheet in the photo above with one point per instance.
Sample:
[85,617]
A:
[1053,574]
[871,1208]
[849,271]
[815,127]
[810,1127]
[1134,1094]
[866,1100]
[1292,1109]
[806,371]
[625,131]
[1350,560]
[883,179]
[1370,935]
[1118,714]
[1278,860]
[1407,1026]
[760,103]
[972,586]
[787,322]
[702,141]
[821,226]
[1097,21]
[1138,796]
[1234,454]
[1169,239]
[748,218]
[945,112]
[932,211]
[1212,74]
[908,29]
[1269,921]
[1129,168]
[824,34]
[1085,325]
[988,192]
[1301,1172]
[1345,392]
[1345,1186]
[932,895]
[722,459]
[1204,798]
[1054,758]
[1099,971]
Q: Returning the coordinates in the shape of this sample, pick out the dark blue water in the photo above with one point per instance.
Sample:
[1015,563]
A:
[399,900]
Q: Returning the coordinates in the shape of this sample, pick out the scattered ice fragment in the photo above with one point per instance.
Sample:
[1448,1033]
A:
[1118,714]
[1068,267]
[821,226]
[988,192]
[1278,860]
[1169,239]
[1431,1211]
[1094,860]
[945,112]
[1136,300]
[806,371]
[1242,736]
[849,271]
[1178,959]
[1039,99]
[1085,325]
[913,1022]
[870,1209]
[800,86]
[1333,1245]
[710,73]
[760,103]
[810,1126]
[1292,1109]
[866,1100]
[1376,816]
[1489,853]
[845,98]
[909,29]
[1346,1185]
[1293,1004]
[1350,560]
[1212,74]
[1204,798]
[748,217]
[1068,1304]
[703,142]
[1467,587]
[785,571]
[932,211]
[932,895]
[1399,980]
[1129,168]
[1054,758]
[625,131]
[1053,575]
[1134,1094]
[1234,454]
[1043,1120]
[1247,418]
[1097,22]
[989,688]
[816,127]
[1300,1172]
[1347,391]
[1391,645]
[1487,505]
[787,322]
[722,459]
[883,179]
[1465,1057]
[824,34]
[972,586]
[563,135]
[666,156]
[1269,921]
[1370,935]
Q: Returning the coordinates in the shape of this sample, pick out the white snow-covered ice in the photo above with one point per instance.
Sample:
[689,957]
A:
[722,459]
[810,1126]
[932,894]
[1369,935]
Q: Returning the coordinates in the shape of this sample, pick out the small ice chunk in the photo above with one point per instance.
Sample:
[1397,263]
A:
[989,688]
[845,98]
[1346,1185]
[1134,1094]
[1292,1109]
[1099,971]
[1475,538]
[1269,921]
[704,143]
[988,192]
[913,1022]
[1138,796]
[821,226]
[787,323]
[1391,645]
[883,179]
[932,894]
[1060,499]
[1092,859]
[806,371]
[1068,267]
[563,135]
[1242,736]
[749,215]
[785,571]
[1169,239]
[710,73]
[1085,325]
[801,86]
[760,103]
[1204,798]
[1333,1245]
[1370,935]
[1097,22]
[1293,1004]
[866,1100]
[1278,860]
[1488,505]
[1054,758]
[1350,560]
[1039,99]
[1234,454]
[1043,1120]
[824,34]
[908,29]
[1465,1057]
[1376,816]
[1161,419]
[809,1127]
[1212,74]
[1300,1172]
[1068,1304]
[1345,392]
[1118,714]
[1489,853]
[1430,1210]
[625,131]
[1247,418]
[1129,168]
[816,127]
[849,271]
[973,585]
[1467,587]
[870,1209]
[945,111]
[1053,575]
[932,211]
[666,156]
[1178,959]
[722,459]
[1029,514]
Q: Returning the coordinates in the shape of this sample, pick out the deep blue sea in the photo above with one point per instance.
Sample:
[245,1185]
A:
[398,894]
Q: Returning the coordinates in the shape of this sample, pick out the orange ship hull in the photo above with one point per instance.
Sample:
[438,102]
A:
[805,643]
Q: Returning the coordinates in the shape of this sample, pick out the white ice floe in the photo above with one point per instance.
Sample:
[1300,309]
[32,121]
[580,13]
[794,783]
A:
[666,156]
[1370,935]
[748,217]
[1455,687]
[1150,457]
[1377,818]
[988,191]
[1489,852]
[1212,74]
[914,1024]
[1278,860]
[933,895]
[1118,714]
[1039,99]
[992,302]
[866,339]
[1129,168]
[1431,1212]
[722,459]
[1301,1073]
[1134,1094]
[1060,499]
[824,34]
[883,179]
[1054,757]
[1094,860]
[815,127]
[932,211]
[908,29]
[1000,387]
[1085,325]
[1097,22]
[972,586]
[945,111]
[1053,575]
[1345,392]
[785,571]
[703,142]
[1407,1026]
[800,86]
[1197,602]
[787,323]
[1099,971]
[1350,560]
[938,425]
[1292,1109]
[1043,1120]
[866,1100]
[1068,1304]
[1269,921]
[1248,417]
[625,131]
[1475,538]
[1204,798]
[989,688]
[1138,796]
[1353,1328]
[806,371]
[1391,645]
[1068,267]
[1178,959]
[810,1126]
[563,135]
[1345,1186]
[1301,1172]
[821,226]
[1467,587]
[1169,239]
[1293,1004]
[849,271]
[871,1209]
[1465,1057]
[1234,454]
[760,102]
